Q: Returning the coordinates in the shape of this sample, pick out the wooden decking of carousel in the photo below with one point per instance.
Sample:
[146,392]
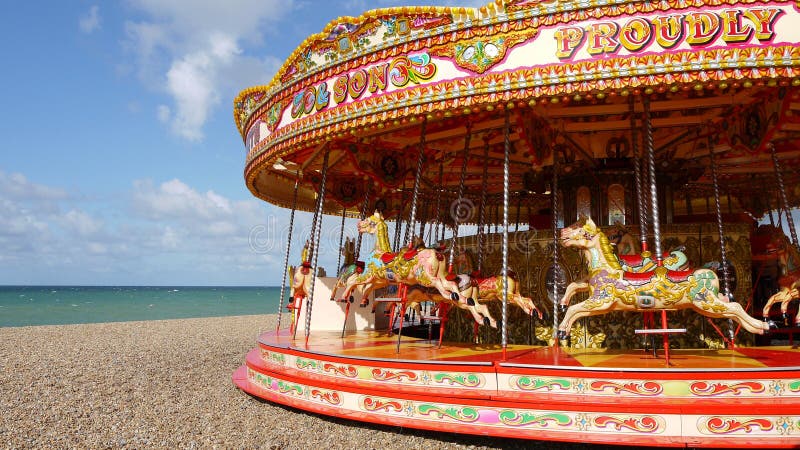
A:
[742,397]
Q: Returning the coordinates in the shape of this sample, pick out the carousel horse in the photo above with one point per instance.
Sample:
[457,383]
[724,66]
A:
[349,267]
[425,267]
[675,261]
[611,288]
[419,294]
[300,281]
[490,289]
[789,279]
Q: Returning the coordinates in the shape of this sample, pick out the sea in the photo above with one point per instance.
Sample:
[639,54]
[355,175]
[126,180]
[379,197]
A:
[59,305]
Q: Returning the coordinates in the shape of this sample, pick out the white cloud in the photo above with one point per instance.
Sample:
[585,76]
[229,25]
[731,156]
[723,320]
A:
[81,223]
[175,199]
[189,50]
[90,22]
[16,186]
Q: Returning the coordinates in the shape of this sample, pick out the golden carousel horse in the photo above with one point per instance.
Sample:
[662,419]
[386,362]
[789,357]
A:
[611,288]
[299,285]
[789,279]
[489,289]
[425,267]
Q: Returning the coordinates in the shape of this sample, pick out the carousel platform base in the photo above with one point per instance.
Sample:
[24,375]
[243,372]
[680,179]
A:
[746,397]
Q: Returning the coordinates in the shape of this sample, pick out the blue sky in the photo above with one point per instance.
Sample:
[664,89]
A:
[120,162]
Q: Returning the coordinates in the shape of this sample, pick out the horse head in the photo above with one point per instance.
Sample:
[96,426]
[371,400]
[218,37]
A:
[370,224]
[582,234]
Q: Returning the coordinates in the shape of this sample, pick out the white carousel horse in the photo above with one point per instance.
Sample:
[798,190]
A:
[789,280]
[425,267]
[611,288]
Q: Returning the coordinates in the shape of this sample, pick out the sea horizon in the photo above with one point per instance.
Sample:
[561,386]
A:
[31,305]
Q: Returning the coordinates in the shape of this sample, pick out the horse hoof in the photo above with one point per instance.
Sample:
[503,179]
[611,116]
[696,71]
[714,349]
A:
[486,322]
[785,319]
[470,302]
[562,309]
[454,296]
[562,335]
[352,299]
[363,304]
[543,316]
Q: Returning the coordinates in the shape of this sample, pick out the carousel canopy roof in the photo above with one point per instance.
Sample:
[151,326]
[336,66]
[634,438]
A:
[570,87]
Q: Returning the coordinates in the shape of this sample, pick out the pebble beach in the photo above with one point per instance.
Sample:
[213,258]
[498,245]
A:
[167,384]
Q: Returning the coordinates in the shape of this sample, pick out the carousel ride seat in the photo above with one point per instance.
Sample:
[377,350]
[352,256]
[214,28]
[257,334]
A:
[676,276]
[410,254]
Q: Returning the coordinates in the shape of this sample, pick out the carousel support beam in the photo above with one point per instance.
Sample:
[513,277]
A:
[784,199]
[316,230]
[286,255]
[322,147]
[651,167]
[586,154]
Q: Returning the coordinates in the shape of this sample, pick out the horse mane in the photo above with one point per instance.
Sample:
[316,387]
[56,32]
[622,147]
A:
[608,251]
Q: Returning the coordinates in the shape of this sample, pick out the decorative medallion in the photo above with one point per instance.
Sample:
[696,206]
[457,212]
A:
[481,54]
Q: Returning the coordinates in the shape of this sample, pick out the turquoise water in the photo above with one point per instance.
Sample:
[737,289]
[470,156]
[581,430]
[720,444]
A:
[57,305]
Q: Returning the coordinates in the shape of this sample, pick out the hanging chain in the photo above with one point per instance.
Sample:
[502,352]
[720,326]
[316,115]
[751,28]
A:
[316,230]
[286,255]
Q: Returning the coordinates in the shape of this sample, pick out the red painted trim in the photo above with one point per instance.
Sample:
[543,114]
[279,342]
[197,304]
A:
[240,379]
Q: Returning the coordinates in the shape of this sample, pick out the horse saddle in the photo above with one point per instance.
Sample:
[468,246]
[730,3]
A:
[387,257]
[410,254]
[634,260]
[676,276]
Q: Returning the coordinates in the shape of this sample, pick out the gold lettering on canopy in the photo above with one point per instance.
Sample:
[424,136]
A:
[696,28]
[399,72]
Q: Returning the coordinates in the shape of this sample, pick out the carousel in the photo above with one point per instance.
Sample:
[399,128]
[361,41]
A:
[571,221]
